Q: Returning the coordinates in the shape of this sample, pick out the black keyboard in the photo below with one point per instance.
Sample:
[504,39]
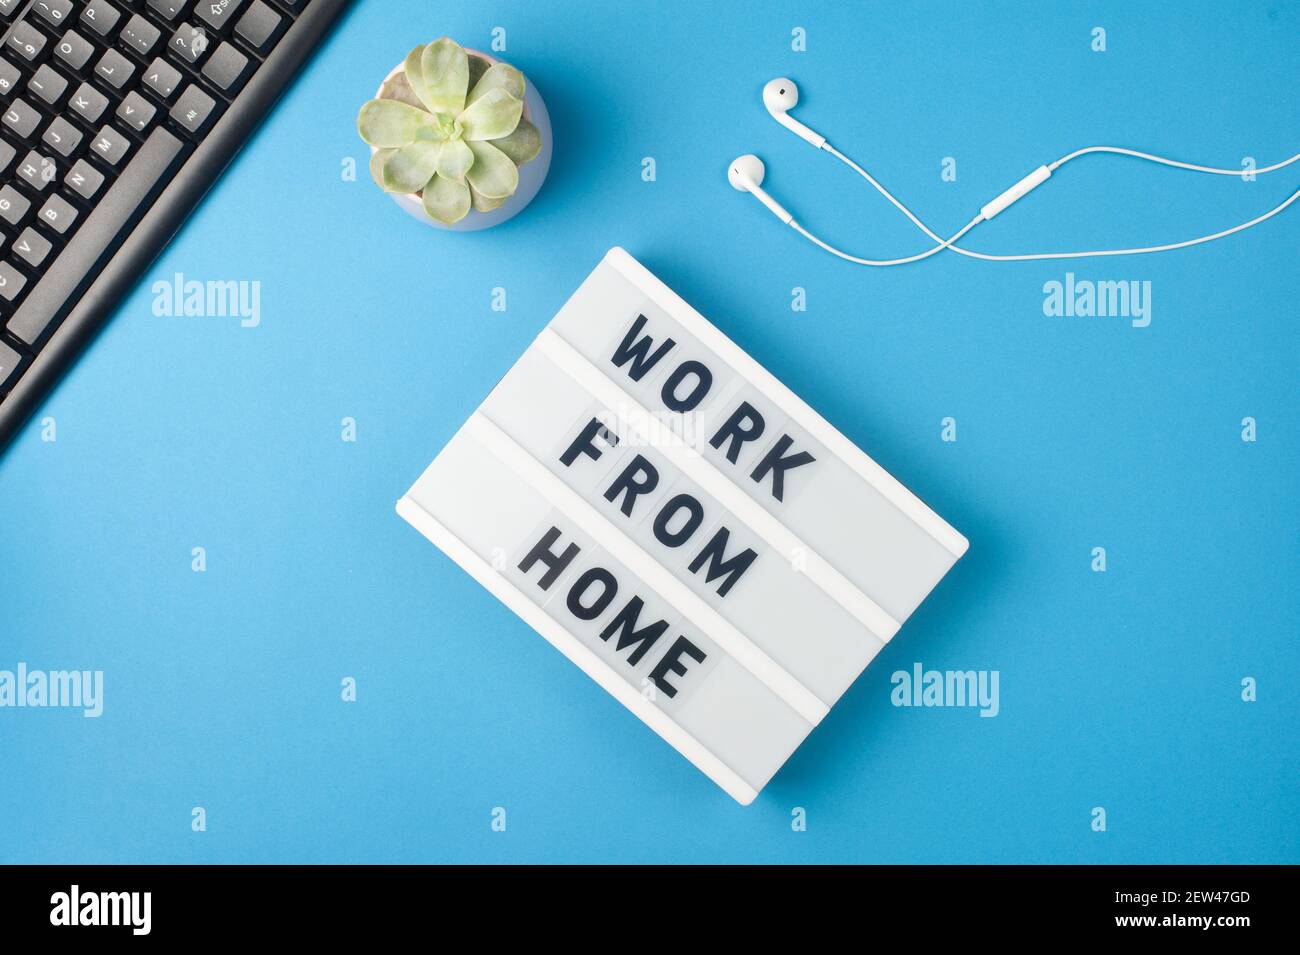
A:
[117,117]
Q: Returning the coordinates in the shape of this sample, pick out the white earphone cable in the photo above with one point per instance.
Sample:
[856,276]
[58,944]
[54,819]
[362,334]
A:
[949,243]
[943,244]
[1168,162]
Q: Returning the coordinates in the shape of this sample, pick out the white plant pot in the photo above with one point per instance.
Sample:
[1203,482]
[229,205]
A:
[531,174]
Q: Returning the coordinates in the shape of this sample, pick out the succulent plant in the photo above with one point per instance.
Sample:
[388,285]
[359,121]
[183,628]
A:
[450,126]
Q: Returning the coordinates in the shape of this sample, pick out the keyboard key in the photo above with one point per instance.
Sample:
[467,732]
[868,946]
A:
[168,9]
[110,145]
[258,25]
[32,247]
[9,7]
[39,171]
[7,154]
[189,42]
[114,68]
[136,112]
[47,85]
[14,206]
[101,16]
[133,187]
[22,118]
[74,49]
[89,103]
[62,137]
[162,78]
[26,40]
[84,179]
[217,13]
[139,34]
[58,214]
[11,282]
[9,362]
[9,76]
[225,67]
[193,109]
[54,12]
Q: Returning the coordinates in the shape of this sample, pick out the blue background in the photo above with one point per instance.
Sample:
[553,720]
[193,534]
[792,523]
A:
[1118,689]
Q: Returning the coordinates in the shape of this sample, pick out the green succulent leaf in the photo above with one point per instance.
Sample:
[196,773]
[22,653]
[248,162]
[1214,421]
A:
[445,69]
[454,160]
[398,88]
[377,166]
[522,145]
[493,174]
[414,74]
[499,76]
[410,168]
[477,67]
[387,123]
[446,200]
[482,203]
[494,114]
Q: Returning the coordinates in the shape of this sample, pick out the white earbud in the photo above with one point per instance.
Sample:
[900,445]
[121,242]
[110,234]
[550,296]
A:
[780,96]
[746,175]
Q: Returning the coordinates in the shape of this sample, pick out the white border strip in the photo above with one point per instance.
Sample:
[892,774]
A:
[797,696]
[836,586]
[580,655]
[808,419]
